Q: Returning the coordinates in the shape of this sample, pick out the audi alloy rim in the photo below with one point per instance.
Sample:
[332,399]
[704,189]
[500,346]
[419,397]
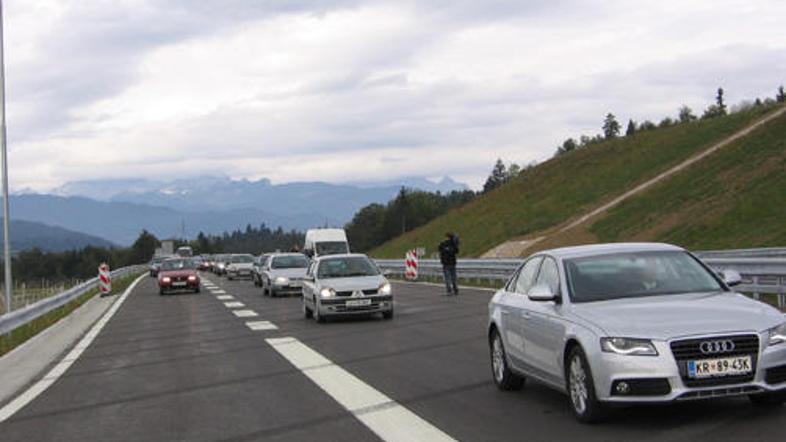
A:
[578,385]
[498,359]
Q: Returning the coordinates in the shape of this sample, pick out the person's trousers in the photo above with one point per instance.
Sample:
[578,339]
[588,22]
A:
[449,272]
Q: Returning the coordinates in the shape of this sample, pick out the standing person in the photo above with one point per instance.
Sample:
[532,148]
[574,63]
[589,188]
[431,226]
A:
[448,249]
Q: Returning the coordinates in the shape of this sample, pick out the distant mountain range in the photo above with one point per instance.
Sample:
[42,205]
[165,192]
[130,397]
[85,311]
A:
[119,209]
[334,201]
[26,235]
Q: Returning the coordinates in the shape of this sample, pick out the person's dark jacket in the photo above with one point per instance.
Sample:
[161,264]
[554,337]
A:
[448,249]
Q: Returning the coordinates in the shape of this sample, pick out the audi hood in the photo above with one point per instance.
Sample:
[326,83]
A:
[673,316]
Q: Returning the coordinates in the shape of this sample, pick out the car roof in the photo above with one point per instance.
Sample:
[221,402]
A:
[286,254]
[603,249]
[342,255]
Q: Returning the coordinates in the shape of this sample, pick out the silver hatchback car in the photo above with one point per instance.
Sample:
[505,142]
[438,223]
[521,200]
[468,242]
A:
[349,284]
[633,323]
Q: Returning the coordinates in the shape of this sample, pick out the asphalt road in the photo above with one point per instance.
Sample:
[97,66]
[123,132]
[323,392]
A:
[186,367]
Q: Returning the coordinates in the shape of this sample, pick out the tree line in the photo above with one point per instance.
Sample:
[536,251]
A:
[377,223]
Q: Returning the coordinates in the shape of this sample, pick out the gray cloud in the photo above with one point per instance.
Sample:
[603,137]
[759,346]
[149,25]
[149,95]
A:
[289,90]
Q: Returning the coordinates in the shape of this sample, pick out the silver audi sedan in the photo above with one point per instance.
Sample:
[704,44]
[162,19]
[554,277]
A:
[632,323]
[347,284]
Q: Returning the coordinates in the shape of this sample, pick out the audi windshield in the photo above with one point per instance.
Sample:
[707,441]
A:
[628,275]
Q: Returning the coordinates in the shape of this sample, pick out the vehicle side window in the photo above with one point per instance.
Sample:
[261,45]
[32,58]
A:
[549,275]
[527,275]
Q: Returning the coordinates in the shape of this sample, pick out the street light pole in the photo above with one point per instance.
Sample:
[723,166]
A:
[9,286]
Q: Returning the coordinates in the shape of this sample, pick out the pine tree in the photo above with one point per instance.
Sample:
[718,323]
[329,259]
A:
[781,97]
[719,102]
[611,127]
[686,114]
[631,128]
[497,177]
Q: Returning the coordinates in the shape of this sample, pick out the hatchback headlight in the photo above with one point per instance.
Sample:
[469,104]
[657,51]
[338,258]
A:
[777,335]
[628,346]
[327,293]
[384,289]
[282,280]
[166,279]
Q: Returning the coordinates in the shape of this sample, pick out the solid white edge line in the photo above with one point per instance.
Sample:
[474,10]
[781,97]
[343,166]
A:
[387,418]
[54,374]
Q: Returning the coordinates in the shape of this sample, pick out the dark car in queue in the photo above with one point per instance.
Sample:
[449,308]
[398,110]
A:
[178,274]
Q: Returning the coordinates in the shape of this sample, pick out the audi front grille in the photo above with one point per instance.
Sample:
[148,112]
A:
[690,350]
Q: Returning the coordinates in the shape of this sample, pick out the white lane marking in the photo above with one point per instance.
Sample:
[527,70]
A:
[261,325]
[218,292]
[385,417]
[54,374]
[245,313]
[225,297]
[234,304]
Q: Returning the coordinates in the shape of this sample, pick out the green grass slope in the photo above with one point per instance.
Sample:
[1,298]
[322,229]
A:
[734,198]
[565,187]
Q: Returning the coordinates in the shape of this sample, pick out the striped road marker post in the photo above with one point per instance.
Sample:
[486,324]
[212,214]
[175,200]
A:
[104,279]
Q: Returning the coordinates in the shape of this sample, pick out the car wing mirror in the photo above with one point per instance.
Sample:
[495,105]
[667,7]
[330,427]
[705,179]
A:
[731,277]
[541,293]
[309,278]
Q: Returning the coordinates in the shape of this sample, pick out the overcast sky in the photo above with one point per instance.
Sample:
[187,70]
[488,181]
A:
[348,90]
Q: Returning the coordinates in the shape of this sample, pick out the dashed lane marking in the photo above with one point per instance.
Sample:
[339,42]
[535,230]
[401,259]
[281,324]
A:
[234,304]
[54,374]
[245,313]
[261,325]
[218,292]
[385,417]
[225,297]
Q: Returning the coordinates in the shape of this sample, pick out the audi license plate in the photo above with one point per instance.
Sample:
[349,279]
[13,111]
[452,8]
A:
[178,284]
[706,368]
[359,303]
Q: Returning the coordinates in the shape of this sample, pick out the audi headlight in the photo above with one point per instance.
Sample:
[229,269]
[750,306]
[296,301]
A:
[327,293]
[628,346]
[281,281]
[384,289]
[777,335]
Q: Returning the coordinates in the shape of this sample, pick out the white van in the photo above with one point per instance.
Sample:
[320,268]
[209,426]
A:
[320,242]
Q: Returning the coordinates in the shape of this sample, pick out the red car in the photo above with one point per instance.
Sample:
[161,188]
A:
[178,274]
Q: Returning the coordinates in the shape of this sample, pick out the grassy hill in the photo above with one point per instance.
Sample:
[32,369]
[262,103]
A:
[731,199]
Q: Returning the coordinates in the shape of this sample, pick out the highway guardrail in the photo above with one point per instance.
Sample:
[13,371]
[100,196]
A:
[760,275]
[18,318]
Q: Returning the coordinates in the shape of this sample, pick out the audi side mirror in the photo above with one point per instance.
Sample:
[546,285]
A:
[541,293]
[731,277]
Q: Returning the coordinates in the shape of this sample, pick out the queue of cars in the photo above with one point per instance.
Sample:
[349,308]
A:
[329,279]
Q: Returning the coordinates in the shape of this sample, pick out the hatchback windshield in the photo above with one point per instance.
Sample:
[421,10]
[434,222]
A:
[347,267]
[332,248]
[178,264]
[289,262]
[627,275]
[242,259]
